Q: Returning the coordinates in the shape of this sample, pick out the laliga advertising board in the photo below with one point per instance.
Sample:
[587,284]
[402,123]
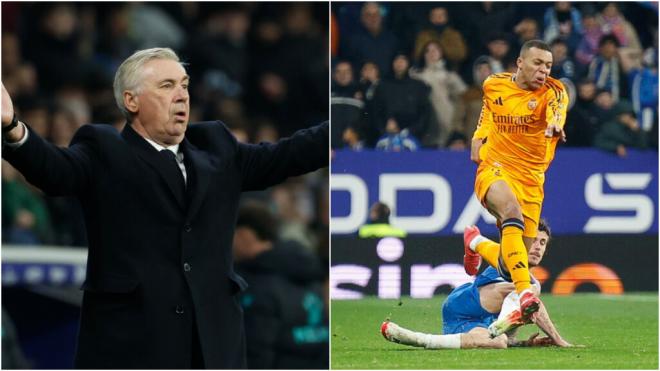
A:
[587,191]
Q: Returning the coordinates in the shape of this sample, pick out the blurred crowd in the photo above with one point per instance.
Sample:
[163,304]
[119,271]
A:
[409,76]
[262,69]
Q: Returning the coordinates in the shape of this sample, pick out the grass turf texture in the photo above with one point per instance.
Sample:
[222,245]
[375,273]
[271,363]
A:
[619,332]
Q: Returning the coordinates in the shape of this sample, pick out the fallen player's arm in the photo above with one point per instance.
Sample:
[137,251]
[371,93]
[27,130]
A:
[542,320]
[533,341]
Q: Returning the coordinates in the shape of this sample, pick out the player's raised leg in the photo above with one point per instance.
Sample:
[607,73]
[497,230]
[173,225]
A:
[476,247]
[502,202]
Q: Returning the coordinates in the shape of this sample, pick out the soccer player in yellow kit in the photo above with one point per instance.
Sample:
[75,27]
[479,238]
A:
[522,119]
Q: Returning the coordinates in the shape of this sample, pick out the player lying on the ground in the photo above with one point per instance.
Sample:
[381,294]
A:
[486,312]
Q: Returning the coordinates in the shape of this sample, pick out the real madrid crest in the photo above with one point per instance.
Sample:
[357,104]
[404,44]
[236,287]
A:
[532,104]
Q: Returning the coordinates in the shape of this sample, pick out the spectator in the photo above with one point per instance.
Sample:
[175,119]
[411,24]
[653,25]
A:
[604,105]
[346,102]
[371,43]
[588,46]
[369,79]
[343,84]
[622,132]
[457,142]
[563,21]
[352,139]
[606,69]
[55,46]
[484,19]
[583,118]
[397,140]
[150,26]
[562,64]
[613,22]
[369,82]
[468,108]
[527,29]
[498,52]
[643,82]
[18,75]
[402,103]
[25,216]
[378,224]
[218,53]
[63,127]
[441,31]
[285,321]
[446,89]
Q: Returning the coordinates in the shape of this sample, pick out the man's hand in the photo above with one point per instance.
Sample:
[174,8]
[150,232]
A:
[555,131]
[17,133]
[7,108]
[562,343]
[474,150]
[621,151]
[535,341]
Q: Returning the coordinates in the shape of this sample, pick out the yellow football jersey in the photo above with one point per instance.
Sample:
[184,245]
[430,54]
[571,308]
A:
[513,121]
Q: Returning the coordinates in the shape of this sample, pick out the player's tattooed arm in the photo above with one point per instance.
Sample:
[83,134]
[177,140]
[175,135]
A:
[542,320]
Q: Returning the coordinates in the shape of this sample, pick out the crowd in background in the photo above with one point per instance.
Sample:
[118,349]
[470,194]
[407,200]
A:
[409,76]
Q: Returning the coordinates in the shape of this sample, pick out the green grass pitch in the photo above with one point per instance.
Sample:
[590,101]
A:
[618,332]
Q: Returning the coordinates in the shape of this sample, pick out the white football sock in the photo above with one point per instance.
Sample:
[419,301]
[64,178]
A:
[452,341]
[419,339]
[476,241]
[511,302]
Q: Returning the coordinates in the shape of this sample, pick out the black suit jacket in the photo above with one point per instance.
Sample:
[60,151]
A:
[158,262]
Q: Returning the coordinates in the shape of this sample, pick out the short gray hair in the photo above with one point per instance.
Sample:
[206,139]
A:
[129,73]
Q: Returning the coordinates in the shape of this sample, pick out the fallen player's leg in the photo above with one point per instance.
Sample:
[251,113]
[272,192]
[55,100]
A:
[477,337]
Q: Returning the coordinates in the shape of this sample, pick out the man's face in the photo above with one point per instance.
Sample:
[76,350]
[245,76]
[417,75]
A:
[438,16]
[587,91]
[608,50]
[559,51]
[162,103]
[533,68]
[371,18]
[604,100]
[370,72]
[343,74]
[536,252]
[400,65]
[433,53]
[498,49]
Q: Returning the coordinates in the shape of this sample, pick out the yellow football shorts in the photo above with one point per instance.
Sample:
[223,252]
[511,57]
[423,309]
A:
[530,196]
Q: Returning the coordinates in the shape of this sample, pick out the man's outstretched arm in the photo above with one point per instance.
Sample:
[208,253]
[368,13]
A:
[56,171]
[542,320]
[18,132]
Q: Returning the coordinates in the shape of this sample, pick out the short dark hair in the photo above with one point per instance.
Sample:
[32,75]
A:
[558,40]
[539,44]
[257,217]
[382,212]
[609,38]
[545,227]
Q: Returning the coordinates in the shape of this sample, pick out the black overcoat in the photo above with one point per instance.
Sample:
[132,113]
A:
[158,262]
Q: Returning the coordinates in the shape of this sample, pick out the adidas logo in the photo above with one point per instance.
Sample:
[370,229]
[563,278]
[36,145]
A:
[519,265]
[498,101]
